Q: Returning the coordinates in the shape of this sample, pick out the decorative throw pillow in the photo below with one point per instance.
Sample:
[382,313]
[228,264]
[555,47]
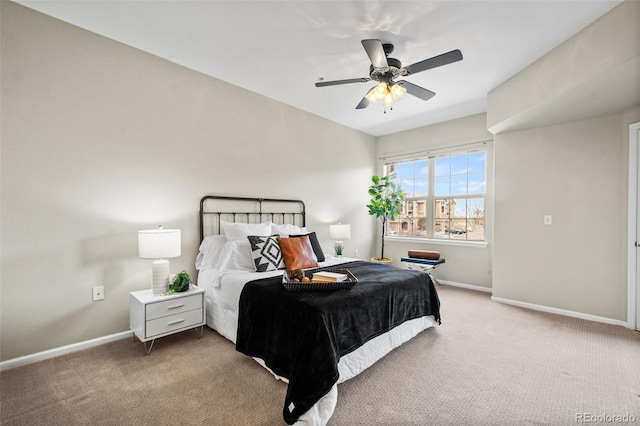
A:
[315,244]
[265,252]
[424,254]
[297,253]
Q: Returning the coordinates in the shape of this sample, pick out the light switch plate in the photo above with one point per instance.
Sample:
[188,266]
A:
[547,219]
[98,293]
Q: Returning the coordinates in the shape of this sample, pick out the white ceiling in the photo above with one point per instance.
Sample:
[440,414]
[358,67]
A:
[281,48]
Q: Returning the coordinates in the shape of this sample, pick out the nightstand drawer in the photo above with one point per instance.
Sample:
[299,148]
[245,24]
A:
[173,322]
[173,306]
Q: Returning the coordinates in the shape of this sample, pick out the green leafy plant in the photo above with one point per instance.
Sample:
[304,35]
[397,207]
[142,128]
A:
[386,202]
[180,283]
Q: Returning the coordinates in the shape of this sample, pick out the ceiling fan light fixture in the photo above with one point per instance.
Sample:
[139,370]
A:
[388,99]
[372,96]
[385,92]
[398,91]
[381,90]
[394,94]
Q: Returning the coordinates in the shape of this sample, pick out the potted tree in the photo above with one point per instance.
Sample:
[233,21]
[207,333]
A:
[386,201]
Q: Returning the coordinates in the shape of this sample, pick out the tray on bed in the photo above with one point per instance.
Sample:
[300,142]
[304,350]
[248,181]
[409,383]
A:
[347,284]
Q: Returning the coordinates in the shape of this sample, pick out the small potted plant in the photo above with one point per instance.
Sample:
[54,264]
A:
[386,202]
[180,282]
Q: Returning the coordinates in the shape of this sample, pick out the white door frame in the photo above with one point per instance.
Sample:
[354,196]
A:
[632,231]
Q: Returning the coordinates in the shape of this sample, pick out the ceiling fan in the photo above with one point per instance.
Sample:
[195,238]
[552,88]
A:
[384,69]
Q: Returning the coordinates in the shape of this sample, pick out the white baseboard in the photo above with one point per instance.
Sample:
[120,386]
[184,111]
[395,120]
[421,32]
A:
[564,312]
[467,286]
[63,350]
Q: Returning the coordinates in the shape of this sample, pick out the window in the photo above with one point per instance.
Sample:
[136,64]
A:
[444,196]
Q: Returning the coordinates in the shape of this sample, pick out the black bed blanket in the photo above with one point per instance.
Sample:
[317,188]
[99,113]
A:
[302,335]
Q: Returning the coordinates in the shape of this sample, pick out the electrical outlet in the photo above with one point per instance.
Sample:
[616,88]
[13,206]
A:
[98,293]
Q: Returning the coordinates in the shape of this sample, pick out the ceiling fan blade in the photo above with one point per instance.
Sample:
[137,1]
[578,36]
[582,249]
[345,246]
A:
[376,53]
[417,91]
[436,61]
[336,82]
[363,103]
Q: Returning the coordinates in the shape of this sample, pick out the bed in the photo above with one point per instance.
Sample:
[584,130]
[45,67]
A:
[312,340]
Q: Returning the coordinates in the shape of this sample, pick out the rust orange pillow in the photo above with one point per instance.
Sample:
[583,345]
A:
[424,254]
[297,253]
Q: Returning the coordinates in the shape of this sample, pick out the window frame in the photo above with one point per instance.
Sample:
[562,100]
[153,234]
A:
[430,199]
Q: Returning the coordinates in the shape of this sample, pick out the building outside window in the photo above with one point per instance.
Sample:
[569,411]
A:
[444,196]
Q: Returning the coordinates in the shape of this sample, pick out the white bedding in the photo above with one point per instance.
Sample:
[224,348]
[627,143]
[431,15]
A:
[222,298]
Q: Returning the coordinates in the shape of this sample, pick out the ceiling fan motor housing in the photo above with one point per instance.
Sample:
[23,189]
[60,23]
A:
[386,74]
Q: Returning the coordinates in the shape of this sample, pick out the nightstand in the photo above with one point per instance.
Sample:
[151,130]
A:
[153,316]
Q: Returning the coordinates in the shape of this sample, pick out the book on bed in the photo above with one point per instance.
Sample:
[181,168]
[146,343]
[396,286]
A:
[326,276]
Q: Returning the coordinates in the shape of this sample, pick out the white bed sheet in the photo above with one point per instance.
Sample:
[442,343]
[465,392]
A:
[223,289]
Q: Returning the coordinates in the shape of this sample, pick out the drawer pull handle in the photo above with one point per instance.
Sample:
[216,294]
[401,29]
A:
[176,306]
[176,322]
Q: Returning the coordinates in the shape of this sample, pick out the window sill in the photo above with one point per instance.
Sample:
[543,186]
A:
[436,241]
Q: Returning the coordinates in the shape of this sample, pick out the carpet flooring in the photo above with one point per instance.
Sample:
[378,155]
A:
[487,364]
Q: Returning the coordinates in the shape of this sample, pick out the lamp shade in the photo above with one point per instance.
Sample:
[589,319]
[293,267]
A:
[340,231]
[159,243]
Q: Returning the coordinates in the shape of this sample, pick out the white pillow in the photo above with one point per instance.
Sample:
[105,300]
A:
[210,250]
[286,230]
[240,231]
[236,255]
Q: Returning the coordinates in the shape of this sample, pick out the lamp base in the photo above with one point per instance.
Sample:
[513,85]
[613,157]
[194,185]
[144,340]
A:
[160,276]
[339,248]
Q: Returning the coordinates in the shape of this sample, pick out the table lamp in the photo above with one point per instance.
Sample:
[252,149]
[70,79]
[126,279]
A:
[159,244]
[340,232]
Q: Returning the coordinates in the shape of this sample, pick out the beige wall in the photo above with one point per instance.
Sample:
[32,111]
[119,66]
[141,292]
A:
[100,140]
[575,172]
[470,265]
[558,153]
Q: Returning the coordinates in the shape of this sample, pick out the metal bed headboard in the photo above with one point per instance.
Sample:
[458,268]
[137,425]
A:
[248,210]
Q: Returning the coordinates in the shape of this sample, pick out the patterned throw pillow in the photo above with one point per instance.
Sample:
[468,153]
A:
[265,252]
